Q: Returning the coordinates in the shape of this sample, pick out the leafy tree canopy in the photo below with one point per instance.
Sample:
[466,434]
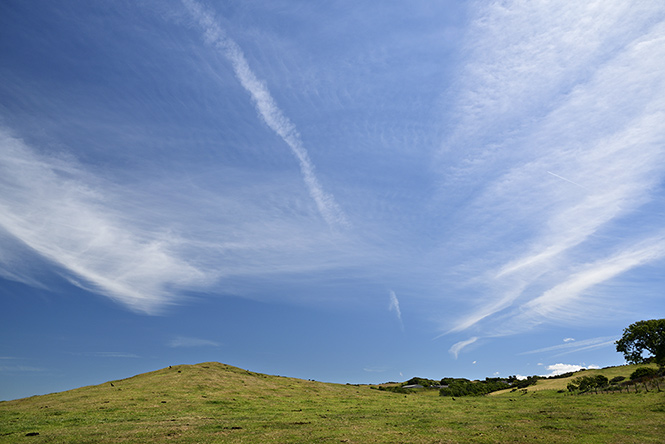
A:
[643,337]
[585,383]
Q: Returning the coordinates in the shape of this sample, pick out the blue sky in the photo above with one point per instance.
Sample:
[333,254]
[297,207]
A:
[347,191]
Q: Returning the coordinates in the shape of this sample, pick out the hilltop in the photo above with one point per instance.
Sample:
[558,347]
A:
[213,402]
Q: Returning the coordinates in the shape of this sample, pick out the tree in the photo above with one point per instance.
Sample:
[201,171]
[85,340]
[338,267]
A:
[584,383]
[643,337]
[643,372]
[601,381]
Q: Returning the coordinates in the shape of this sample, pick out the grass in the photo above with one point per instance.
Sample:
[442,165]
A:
[213,402]
[562,383]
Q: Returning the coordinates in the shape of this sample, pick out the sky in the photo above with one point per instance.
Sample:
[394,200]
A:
[344,191]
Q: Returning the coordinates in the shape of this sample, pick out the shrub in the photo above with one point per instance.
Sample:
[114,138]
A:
[464,387]
[523,383]
[561,376]
[395,389]
[643,372]
[421,381]
[585,383]
[601,381]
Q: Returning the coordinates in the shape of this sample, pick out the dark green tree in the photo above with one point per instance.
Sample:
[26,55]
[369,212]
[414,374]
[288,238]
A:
[602,381]
[643,337]
[643,372]
[585,383]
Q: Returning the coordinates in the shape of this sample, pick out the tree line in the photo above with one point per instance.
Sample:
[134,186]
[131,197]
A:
[465,387]
[641,342]
[644,375]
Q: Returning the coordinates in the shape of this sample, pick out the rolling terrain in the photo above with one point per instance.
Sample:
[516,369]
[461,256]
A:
[213,402]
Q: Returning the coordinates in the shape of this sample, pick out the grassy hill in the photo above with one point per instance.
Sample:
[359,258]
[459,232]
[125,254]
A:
[213,402]
[562,383]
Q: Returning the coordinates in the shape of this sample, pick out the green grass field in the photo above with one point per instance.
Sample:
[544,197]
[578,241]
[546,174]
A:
[212,402]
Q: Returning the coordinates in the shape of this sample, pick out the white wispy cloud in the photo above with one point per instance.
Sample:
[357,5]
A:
[375,369]
[561,124]
[563,299]
[458,346]
[394,306]
[16,367]
[110,355]
[563,178]
[522,56]
[184,341]
[20,368]
[572,346]
[147,243]
[268,110]
[62,213]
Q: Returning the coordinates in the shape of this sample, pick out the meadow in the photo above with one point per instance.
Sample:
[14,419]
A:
[212,402]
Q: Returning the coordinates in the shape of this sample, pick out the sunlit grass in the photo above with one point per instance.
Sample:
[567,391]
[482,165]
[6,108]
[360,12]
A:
[217,403]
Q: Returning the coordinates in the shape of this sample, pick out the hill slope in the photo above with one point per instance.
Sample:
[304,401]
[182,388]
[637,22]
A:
[213,402]
[562,383]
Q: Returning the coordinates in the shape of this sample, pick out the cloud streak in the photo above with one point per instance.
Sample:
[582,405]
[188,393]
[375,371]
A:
[146,244]
[57,210]
[563,178]
[575,346]
[268,110]
[562,300]
[458,346]
[394,306]
[20,368]
[542,91]
[110,355]
[183,341]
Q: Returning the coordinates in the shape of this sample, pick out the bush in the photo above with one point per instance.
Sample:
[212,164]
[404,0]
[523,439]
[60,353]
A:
[586,383]
[561,376]
[583,383]
[464,387]
[395,389]
[524,383]
[617,379]
[601,381]
[421,381]
[643,372]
